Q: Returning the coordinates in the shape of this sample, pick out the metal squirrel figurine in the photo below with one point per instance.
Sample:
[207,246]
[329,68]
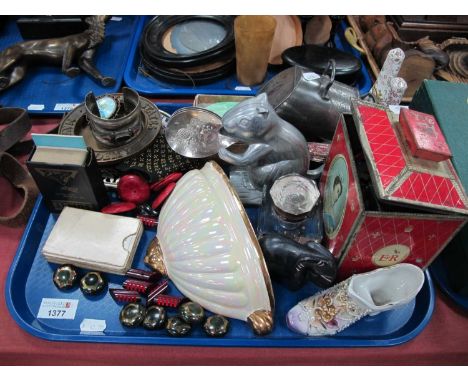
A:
[79,48]
[275,147]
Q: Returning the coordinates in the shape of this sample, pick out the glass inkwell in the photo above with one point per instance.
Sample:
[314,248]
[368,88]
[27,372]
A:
[292,208]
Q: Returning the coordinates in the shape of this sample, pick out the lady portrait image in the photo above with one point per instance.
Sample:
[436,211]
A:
[335,195]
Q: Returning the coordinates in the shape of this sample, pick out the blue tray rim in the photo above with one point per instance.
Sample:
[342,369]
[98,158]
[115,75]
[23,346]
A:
[439,273]
[325,342]
[131,56]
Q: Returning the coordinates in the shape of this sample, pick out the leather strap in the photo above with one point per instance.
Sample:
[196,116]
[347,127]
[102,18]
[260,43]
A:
[18,125]
[20,178]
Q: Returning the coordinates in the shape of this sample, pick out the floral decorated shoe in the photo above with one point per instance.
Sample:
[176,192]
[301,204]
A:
[334,309]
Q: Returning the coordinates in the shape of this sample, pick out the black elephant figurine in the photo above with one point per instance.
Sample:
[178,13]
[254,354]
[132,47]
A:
[294,264]
[65,51]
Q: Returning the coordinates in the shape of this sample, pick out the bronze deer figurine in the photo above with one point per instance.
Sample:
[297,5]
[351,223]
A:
[78,48]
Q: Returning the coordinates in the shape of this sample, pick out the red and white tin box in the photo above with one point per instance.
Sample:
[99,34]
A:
[381,204]
[423,135]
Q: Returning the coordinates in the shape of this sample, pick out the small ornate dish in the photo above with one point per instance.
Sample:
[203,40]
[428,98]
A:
[194,133]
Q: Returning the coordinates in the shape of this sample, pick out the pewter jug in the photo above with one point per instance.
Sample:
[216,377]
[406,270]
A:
[311,102]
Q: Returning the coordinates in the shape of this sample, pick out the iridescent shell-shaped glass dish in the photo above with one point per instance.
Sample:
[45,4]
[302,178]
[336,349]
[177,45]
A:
[206,245]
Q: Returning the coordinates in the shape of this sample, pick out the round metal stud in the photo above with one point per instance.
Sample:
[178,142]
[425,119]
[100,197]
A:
[216,326]
[132,315]
[92,283]
[155,317]
[65,276]
[177,327]
[192,313]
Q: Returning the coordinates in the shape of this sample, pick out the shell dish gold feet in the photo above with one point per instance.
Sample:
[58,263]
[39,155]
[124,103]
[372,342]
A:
[154,257]
[261,322]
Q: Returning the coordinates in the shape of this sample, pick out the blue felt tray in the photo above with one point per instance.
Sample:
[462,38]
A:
[229,86]
[150,86]
[48,86]
[439,271]
[30,280]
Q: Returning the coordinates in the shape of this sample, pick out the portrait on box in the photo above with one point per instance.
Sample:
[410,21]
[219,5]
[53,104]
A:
[336,193]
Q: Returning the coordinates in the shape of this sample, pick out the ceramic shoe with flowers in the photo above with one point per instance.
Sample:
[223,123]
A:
[334,309]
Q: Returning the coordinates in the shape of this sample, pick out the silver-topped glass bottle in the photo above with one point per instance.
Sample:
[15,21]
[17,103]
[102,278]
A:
[292,207]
